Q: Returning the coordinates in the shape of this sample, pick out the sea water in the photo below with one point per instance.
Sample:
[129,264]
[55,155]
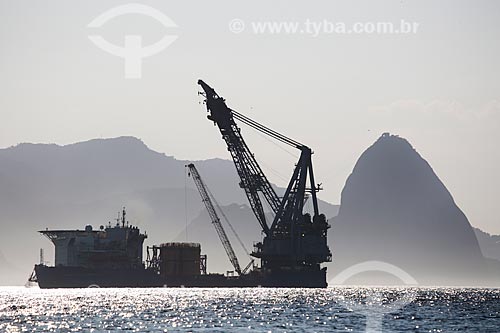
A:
[342,309]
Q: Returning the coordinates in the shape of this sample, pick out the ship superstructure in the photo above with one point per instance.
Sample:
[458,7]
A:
[109,257]
[118,246]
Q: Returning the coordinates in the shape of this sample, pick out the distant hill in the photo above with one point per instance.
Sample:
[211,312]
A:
[88,183]
[51,186]
[98,168]
[490,244]
[395,209]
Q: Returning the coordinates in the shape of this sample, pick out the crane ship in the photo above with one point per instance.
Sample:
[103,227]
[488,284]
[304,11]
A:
[293,247]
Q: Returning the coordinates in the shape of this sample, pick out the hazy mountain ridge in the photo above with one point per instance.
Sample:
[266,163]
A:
[395,209]
[52,186]
[490,244]
[88,183]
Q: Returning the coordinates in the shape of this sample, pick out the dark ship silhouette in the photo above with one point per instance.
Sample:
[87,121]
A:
[108,257]
[291,253]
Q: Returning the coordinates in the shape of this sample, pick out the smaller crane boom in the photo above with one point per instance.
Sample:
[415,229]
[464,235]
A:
[205,197]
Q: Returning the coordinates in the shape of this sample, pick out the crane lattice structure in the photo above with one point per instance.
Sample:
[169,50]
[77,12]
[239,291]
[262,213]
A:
[207,200]
[292,239]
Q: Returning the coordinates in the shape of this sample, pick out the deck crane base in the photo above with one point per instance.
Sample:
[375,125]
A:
[294,243]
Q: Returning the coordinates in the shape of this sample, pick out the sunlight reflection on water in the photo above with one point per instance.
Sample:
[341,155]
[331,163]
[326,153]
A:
[247,309]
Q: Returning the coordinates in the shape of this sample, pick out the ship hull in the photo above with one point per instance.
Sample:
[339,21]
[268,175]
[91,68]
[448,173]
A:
[80,277]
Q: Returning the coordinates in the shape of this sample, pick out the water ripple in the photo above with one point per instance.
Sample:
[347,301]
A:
[248,309]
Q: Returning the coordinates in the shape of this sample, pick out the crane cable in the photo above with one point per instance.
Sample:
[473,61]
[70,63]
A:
[227,220]
[266,130]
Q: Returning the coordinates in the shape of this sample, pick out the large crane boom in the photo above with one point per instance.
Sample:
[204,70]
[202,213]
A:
[205,197]
[251,175]
[293,240]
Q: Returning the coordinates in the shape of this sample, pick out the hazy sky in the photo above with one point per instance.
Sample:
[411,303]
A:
[439,87]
